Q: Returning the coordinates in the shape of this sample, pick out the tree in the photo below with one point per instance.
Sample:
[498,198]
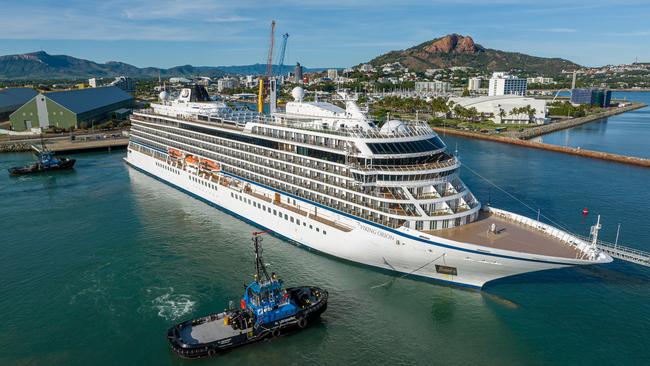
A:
[466,92]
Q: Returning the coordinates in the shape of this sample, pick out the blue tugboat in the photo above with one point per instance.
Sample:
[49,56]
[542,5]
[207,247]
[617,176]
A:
[46,162]
[267,310]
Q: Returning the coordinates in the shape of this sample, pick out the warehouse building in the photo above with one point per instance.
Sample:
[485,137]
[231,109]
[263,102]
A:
[13,98]
[70,109]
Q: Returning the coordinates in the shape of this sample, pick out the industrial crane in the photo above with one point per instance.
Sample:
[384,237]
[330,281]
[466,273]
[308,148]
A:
[269,71]
[283,49]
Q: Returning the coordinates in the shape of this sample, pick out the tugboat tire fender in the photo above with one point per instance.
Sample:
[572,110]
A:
[275,333]
[302,323]
[211,352]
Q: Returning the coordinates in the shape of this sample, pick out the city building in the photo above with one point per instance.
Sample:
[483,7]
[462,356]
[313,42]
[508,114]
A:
[366,68]
[502,83]
[474,84]
[92,82]
[540,80]
[433,86]
[123,82]
[298,73]
[507,108]
[179,80]
[227,83]
[592,96]
[13,98]
[70,108]
[332,73]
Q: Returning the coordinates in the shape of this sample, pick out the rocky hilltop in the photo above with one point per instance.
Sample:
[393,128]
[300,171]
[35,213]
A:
[458,50]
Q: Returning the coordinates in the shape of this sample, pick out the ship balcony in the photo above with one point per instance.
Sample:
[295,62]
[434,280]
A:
[428,167]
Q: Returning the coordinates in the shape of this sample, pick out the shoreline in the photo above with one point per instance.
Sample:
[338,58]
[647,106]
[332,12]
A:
[533,132]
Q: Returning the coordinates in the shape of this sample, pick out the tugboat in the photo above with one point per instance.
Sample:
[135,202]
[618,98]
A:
[46,162]
[267,310]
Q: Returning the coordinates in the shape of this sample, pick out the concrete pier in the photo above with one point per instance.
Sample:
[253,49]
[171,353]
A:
[538,145]
[66,145]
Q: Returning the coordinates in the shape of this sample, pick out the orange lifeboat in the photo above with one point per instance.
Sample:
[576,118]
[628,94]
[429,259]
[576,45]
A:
[174,153]
[211,165]
[191,160]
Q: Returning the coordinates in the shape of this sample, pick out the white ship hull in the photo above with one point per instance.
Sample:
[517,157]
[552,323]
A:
[402,250]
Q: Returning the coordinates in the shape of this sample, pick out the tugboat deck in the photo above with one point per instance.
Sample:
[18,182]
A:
[509,236]
[208,332]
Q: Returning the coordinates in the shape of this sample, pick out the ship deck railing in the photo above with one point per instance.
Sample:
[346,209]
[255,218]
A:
[241,118]
[561,235]
[408,168]
[581,242]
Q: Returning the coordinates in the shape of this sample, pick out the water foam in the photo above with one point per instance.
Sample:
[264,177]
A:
[172,306]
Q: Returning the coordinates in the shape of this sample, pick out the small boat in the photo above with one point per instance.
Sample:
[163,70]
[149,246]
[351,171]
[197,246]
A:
[267,310]
[46,162]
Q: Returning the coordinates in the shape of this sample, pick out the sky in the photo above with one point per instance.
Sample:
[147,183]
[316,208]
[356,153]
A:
[323,33]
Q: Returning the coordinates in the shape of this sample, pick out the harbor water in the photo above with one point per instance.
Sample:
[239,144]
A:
[97,263]
[625,134]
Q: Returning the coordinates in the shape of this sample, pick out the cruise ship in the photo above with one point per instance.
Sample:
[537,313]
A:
[325,176]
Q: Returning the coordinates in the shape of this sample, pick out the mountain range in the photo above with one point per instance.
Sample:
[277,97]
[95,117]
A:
[457,50]
[41,65]
[450,50]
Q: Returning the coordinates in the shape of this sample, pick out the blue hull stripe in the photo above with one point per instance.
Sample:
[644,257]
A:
[271,231]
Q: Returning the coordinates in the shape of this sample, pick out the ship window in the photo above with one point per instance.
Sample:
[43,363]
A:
[231,194]
[286,217]
[324,232]
[310,227]
[304,224]
[446,270]
[298,222]
[317,229]
[275,212]
[291,219]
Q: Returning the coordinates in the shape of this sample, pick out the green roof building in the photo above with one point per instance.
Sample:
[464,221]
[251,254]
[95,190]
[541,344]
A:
[71,108]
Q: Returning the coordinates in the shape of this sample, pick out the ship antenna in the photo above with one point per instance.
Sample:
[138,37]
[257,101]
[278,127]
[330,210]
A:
[260,269]
[594,232]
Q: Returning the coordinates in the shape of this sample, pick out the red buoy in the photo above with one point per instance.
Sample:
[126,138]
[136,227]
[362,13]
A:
[585,211]
[243,304]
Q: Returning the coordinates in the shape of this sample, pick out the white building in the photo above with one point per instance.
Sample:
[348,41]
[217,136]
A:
[92,82]
[332,73]
[540,80]
[506,108]
[227,83]
[366,68]
[502,83]
[433,86]
[474,84]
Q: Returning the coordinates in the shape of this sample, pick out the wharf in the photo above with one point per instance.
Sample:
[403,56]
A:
[66,145]
[538,145]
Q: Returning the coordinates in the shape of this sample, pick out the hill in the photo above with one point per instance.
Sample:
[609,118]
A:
[457,50]
[41,65]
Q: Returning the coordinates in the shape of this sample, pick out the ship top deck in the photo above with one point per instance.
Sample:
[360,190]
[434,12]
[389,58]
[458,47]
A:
[238,120]
[509,235]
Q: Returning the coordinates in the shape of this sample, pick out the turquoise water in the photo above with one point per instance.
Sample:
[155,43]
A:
[97,263]
[626,134]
